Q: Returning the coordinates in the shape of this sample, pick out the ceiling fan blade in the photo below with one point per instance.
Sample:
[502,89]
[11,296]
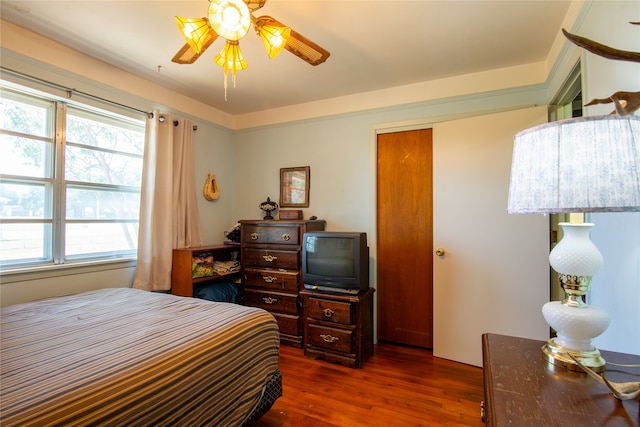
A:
[186,55]
[305,49]
[254,5]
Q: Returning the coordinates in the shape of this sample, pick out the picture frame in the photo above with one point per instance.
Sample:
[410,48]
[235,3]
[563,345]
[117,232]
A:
[294,187]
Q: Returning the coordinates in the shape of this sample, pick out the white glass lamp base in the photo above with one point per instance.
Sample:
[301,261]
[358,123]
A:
[576,259]
[576,327]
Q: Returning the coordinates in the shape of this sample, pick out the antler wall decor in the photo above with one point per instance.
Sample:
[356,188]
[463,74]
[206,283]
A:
[625,103]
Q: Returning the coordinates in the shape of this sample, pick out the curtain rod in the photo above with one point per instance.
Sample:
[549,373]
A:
[71,91]
[161,119]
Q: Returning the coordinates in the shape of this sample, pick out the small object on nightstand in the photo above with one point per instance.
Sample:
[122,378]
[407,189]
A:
[268,206]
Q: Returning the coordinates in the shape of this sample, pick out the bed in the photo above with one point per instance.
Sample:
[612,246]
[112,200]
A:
[136,358]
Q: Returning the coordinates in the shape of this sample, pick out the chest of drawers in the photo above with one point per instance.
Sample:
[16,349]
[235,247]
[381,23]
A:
[271,275]
[338,327]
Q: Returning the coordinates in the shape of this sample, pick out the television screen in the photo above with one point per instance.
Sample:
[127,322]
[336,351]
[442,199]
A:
[335,261]
[330,256]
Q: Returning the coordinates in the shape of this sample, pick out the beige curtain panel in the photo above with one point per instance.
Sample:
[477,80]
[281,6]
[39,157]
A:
[168,206]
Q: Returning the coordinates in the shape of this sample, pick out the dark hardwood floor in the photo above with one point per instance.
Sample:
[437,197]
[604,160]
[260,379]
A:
[398,386]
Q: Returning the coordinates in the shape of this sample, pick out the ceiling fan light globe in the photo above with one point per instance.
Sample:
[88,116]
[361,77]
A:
[274,38]
[231,57]
[231,19]
[194,30]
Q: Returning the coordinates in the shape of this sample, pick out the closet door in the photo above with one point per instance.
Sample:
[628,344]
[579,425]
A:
[404,238]
[494,274]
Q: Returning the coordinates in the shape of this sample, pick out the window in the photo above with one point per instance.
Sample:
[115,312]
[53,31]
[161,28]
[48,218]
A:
[70,179]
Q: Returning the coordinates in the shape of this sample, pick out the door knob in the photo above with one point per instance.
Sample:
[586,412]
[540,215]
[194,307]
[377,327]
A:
[440,251]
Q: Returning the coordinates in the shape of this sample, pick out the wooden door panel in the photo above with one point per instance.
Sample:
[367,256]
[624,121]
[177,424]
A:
[405,238]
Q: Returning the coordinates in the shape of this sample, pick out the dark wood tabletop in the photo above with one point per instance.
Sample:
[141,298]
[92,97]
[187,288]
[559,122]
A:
[522,389]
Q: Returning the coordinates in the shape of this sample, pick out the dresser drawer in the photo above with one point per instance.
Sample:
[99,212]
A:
[276,280]
[288,324]
[279,234]
[330,311]
[272,301]
[254,257]
[330,338]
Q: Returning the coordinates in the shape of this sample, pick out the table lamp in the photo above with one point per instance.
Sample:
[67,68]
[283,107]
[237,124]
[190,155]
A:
[580,165]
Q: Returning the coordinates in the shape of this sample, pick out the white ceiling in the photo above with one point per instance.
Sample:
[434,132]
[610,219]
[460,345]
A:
[374,44]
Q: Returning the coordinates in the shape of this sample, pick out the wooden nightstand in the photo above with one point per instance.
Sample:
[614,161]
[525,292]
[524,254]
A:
[521,389]
[338,327]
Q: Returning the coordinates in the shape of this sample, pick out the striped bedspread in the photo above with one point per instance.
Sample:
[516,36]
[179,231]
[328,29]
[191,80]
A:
[133,358]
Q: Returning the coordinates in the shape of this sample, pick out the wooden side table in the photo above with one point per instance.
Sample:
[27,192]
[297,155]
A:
[338,327]
[521,389]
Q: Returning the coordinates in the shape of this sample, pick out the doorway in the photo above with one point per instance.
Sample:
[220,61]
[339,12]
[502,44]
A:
[405,237]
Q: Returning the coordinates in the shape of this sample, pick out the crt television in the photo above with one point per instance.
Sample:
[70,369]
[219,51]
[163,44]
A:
[335,261]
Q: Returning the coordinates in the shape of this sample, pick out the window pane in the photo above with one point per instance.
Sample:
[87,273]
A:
[103,132]
[25,201]
[85,203]
[101,239]
[30,118]
[25,157]
[92,178]
[102,167]
[24,242]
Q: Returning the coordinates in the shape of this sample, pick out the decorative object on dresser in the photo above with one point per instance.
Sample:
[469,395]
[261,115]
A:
[290,214]
[294,187]
[521,389]
[271,263]
[586,164]
[338,327]
[268,206]
[189,270]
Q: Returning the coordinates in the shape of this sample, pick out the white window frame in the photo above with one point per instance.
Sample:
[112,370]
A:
[56,263]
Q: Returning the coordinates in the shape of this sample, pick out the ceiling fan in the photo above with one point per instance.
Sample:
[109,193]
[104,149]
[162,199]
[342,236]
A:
[231,20]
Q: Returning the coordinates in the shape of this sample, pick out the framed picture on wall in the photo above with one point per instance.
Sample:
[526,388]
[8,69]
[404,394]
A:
[294,187]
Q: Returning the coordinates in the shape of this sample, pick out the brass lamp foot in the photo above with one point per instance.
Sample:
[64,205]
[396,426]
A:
[559,356]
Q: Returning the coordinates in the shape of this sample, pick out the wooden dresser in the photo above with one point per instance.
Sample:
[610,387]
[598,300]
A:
[271,276]
[338,327]
[521,389]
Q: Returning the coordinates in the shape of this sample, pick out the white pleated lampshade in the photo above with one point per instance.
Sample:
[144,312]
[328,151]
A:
[587,164]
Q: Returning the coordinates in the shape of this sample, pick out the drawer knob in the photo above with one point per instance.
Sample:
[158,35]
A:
[328,338]
[254,236]
[286,237]
[269,258]
[269,300]
[328,312]
[269,279]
